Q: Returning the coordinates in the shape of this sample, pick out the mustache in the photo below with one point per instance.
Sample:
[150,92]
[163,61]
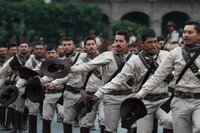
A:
[118,46]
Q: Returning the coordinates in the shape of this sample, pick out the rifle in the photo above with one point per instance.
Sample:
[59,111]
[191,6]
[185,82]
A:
[166,105]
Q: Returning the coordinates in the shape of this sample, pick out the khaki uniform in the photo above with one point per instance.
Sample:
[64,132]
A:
[185,111]
[107,61]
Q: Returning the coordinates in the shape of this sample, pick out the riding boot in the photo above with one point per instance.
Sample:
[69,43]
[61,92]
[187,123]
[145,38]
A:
[107,131]
[155,125]
[67,128]
[25,120]
[32,124]
[46,127]
[167,130]
[84,130]
[2,118]
[132,130]
[102,127]
[18,121]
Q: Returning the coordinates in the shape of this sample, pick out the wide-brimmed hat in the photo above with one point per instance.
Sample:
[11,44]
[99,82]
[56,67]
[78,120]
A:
[83,105]
[131,110]
[34,90]
[14,63]
[25,72]
[9,95]
[55,68]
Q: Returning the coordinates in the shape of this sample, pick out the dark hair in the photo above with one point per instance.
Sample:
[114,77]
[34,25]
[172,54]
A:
[39,42]
[160,38]
[67,39]
[147,33]
[88,38]
[12,44]
[123,33]
[196,25]
[174,42]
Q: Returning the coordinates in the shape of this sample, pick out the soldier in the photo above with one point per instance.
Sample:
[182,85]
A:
[3,58]
[185,106]
[51,96]
[76,82]
[38,57]
[173,34]
[111,63]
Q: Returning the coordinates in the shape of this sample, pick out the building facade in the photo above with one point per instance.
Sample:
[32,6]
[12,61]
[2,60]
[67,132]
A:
[152,13]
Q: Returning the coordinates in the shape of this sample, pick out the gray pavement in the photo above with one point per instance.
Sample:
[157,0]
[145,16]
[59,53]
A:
[58,128]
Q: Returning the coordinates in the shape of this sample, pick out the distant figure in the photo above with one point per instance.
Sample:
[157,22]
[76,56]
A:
[173,34]
[161,42]
[173,45]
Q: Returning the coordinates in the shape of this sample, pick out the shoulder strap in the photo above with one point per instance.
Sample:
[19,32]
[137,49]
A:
[34,64]
[191,61]
[76,58]
[193,67]
[119,65]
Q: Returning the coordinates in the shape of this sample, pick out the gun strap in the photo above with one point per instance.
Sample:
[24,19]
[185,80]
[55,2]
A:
[150,66]
[120,65]
[193,67]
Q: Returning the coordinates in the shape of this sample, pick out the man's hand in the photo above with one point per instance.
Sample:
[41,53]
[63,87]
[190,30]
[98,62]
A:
[47,86]
[95,98]
[138,96]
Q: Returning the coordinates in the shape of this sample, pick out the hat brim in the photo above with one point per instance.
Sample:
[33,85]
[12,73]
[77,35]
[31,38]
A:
[55,68]
[131,110]
[25,72]
[34,91]
[82,105]
[14,63]
[9,95]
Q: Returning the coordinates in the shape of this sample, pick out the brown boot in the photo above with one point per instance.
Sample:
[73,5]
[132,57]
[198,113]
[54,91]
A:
[167,130]
[67,128]
[107,131]
[102,127]
[18,121]
[84,130]
[32,124]
[46,127]
[155,125]
[132,130]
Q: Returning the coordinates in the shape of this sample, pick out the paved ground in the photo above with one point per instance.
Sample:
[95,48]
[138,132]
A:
[58,128]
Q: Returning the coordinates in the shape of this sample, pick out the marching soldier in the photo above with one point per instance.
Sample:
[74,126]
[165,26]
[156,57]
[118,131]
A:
[185,62]
[111,63]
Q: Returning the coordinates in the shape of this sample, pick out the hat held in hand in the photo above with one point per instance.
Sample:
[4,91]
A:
[131,110]
[55,68]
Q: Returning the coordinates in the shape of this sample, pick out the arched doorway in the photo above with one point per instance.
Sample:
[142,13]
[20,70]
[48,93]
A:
[179,18]
[137,17]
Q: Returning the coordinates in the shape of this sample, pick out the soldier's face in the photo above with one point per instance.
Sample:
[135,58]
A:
[39,50]
[3,52]
[24,48]
[150,45]
[91,47]
[51,54]
[120,44]
[68,46]
[190,35]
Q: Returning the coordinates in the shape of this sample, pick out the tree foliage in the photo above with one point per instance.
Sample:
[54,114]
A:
[34,18]
[125,24]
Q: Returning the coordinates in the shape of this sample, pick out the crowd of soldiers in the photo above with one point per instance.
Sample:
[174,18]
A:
[129,68]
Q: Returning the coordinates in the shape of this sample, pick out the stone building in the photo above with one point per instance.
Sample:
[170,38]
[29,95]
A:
[152,13]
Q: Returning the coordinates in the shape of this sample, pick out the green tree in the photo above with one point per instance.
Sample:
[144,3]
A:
[30,18]
[125,24]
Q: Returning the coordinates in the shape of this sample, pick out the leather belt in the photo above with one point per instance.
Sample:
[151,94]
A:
[54,91]
[120,92]
[187,95]
[90,93]
[72,89]
[156,97]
